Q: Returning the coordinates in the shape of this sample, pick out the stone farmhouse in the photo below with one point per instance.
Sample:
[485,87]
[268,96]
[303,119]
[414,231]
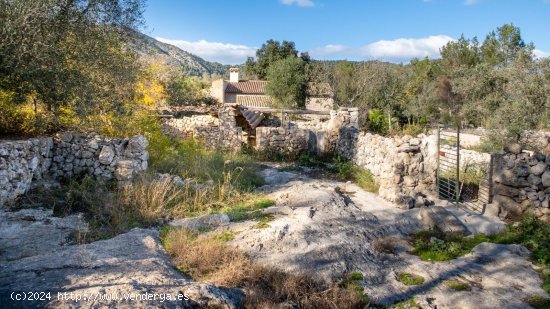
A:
[251,93]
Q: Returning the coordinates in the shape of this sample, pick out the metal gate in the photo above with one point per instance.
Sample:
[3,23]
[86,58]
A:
[459,181]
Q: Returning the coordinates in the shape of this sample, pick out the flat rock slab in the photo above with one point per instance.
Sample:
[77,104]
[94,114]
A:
[442,219]
[498,276]
[477,223]
[319,229]
[101,274]
[31,232]
[207,221]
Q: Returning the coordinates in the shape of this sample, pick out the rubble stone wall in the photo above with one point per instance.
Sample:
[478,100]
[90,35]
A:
[319,137]
[403,166]
[185,126]
[521,183]
[291,141]
[65,155]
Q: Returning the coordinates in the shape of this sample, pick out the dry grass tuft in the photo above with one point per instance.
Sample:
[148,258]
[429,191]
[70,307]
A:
[210,259]
[386,245]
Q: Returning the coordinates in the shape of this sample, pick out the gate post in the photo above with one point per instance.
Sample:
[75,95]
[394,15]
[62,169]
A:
[437,174]
[457,183]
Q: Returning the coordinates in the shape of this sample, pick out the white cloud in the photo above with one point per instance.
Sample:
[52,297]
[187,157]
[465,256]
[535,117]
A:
[328,51]
[302,3]
[540,54]
[399,50]
[225,53]
[405,49]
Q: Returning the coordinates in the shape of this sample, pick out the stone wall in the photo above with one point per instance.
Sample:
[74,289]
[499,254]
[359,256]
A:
[291,141]
[403,166]
[184,127]
[93,154]
[319,103]
[219,132]
[65,155]
[319,137]
[20,163]
[521,183]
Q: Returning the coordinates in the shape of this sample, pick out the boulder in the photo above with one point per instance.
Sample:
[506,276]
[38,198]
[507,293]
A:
[538,169]
[106,155]
[546,179]
[136,145]
[437,217]
[513,148]
[206,221]
[206,295]
[508,206]
[506,190]
[66,137]
[534,180]
[408,148]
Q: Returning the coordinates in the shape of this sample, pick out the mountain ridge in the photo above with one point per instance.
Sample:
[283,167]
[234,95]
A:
[174,56]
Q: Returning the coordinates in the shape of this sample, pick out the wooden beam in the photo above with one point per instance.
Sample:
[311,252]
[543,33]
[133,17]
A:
[287,111]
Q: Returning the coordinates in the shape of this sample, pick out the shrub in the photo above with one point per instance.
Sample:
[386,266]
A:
[347,170]
[409,279]
[538,302]
[377,121]
[412,129]
[458,285]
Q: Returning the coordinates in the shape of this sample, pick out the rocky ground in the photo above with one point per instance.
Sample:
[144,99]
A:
[320,226]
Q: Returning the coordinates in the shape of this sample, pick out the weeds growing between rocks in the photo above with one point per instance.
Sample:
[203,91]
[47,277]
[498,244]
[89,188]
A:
[409,279]
[530,232]
[207,258]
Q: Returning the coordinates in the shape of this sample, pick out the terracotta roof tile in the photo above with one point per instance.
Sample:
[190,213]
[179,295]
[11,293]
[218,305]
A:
[247,87]
[258,87]
[255,100]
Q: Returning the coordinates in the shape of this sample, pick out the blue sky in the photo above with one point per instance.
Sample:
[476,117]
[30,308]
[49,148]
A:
[228,31]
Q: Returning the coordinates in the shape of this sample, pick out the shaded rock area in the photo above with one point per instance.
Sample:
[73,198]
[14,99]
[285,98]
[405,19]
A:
[31,232]
[438,217]
[131,270]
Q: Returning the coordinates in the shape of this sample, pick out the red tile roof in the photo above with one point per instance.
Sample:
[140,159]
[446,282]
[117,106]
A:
[255,100]
[258,87]
[247,87]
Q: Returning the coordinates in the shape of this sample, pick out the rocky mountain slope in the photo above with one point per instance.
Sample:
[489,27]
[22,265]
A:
[173,56]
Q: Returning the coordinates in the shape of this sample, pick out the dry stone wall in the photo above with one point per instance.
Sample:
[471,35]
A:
[291,141]
[20,163]
[521,183]
[216,133]
[403,166]
[319,137]
[186,126]
[65,155]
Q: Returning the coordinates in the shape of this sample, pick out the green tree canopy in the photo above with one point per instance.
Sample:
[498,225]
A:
[68,52]
[287,82]
[271,52]
[504,45]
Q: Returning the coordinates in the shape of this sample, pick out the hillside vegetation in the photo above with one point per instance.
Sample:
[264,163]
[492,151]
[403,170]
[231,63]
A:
[173,56]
